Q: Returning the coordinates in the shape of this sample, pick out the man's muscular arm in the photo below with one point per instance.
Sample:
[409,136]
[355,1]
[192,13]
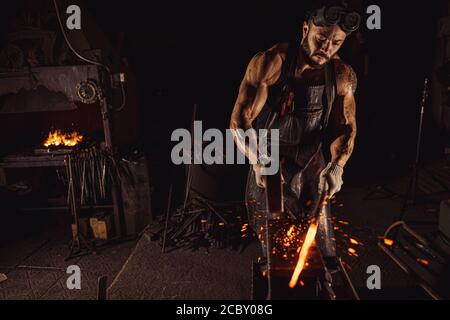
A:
[343,119]
[343,126]
[262,72]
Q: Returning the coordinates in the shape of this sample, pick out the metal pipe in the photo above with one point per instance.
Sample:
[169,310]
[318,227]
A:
[167,218]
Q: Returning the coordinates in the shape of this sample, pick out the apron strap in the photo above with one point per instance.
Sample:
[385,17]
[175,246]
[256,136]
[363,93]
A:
[330,90]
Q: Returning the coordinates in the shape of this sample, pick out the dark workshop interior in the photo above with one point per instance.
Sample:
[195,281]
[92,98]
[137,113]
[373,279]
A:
[87,179]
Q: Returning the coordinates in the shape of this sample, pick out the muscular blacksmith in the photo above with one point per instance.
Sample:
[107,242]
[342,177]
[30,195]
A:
[304,90]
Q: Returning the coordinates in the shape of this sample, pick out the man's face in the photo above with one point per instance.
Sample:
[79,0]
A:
[320,44]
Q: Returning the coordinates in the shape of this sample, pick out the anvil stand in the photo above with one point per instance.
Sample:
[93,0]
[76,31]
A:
[79,245]
[318,281]
[272,283]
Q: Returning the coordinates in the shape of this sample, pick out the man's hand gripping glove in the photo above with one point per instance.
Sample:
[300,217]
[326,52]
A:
[331,179]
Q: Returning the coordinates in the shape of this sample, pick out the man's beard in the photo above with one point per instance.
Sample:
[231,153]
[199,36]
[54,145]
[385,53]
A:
[306,51]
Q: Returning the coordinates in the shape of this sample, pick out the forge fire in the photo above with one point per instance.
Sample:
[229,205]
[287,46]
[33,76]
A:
[58,138]
[259,150]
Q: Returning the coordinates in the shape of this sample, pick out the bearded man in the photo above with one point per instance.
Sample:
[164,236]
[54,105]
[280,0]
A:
[304,90]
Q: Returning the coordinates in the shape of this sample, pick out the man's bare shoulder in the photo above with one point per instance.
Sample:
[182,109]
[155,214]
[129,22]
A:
[346,80]
[280,49]
[273,54]
[265,66]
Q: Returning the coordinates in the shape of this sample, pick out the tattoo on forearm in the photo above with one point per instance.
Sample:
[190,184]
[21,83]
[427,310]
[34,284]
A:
[345,117]
[343,146]
[346,76]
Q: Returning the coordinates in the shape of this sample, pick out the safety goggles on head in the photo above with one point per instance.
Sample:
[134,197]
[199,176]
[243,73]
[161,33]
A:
[330,16]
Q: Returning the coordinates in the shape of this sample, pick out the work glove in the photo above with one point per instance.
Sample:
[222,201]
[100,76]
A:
[258,169]
[330,181]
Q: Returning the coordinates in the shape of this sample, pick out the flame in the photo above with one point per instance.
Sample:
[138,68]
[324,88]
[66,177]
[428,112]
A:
[388,242]
[309,239]
[57,138]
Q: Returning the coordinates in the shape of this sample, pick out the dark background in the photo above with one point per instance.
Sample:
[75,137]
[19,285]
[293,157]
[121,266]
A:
[186,52]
